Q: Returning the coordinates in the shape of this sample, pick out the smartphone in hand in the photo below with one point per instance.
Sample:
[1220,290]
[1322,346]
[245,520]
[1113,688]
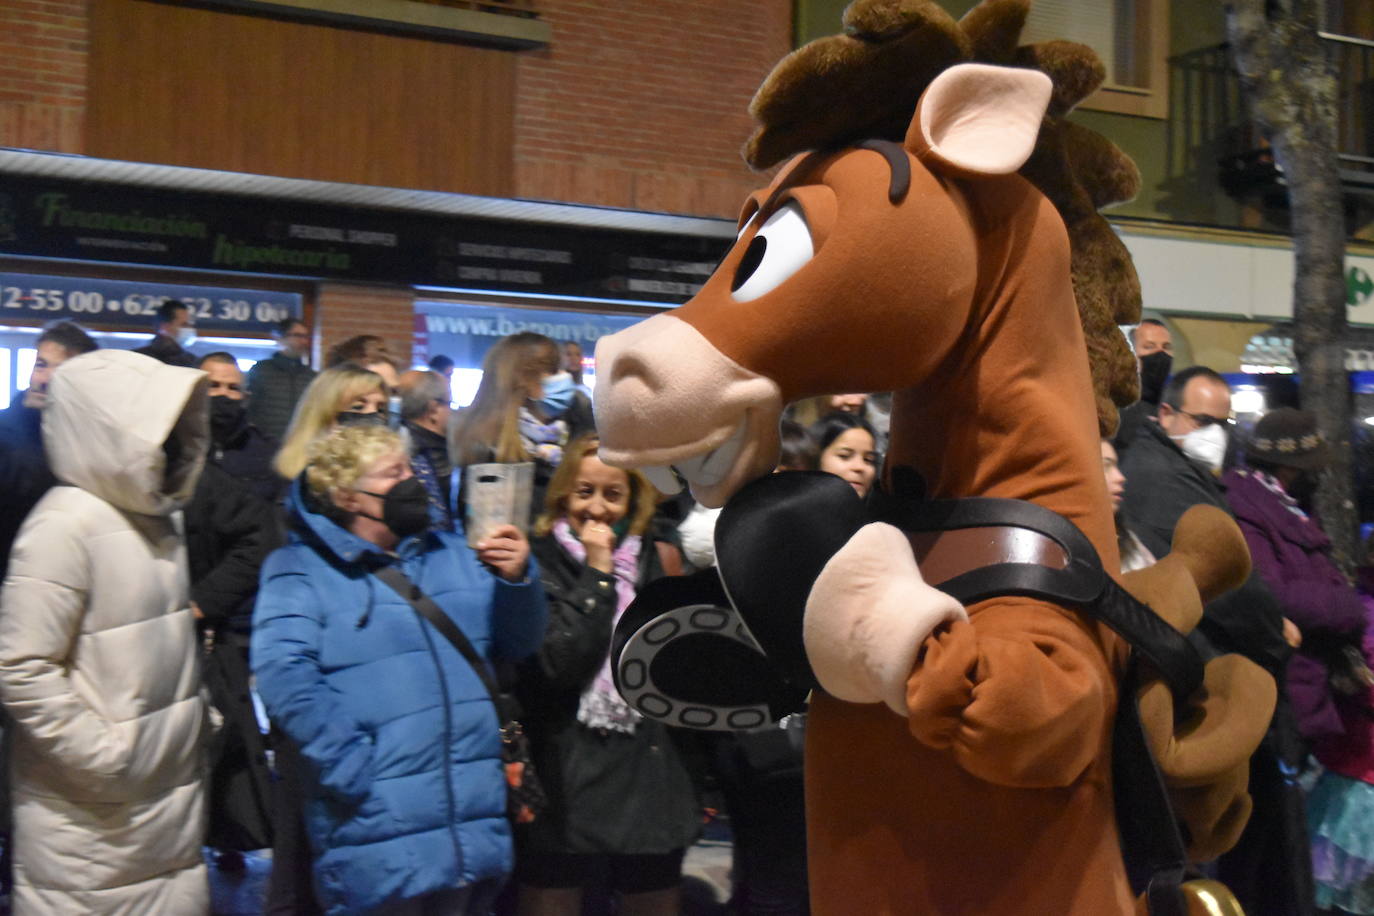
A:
[497,494]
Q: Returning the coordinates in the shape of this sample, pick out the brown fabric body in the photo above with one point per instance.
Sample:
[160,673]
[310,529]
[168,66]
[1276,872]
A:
[896,827]
[994,796]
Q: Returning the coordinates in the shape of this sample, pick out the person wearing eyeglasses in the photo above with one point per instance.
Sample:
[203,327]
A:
[1175,461]
[275,384]
[1172,465]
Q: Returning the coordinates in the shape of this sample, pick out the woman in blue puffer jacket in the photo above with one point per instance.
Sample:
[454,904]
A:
[405,803]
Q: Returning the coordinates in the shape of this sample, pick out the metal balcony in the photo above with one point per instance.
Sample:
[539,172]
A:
[1208,115]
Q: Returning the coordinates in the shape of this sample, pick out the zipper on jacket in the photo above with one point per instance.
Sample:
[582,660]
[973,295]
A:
[425,627]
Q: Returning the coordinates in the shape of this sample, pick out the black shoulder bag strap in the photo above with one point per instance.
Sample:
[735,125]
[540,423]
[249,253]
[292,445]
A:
[424,606]
[525,795]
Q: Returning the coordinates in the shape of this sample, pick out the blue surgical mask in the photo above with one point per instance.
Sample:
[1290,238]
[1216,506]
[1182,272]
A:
[558,394]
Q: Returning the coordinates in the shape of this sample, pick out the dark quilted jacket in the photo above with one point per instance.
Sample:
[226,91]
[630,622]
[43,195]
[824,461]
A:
[274,386]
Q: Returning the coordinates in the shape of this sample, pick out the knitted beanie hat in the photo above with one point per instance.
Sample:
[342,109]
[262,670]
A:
[1288,437]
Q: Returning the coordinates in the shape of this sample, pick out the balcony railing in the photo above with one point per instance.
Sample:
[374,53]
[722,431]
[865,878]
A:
[1355,72]
[1209,120]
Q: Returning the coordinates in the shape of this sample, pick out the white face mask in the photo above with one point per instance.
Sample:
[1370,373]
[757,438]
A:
[1205,445]
[186,336]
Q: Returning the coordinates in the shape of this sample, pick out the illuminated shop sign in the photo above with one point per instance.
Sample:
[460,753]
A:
[465,333]
[88,221]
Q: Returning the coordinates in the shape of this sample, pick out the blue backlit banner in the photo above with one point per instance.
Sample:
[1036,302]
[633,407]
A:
[465,333]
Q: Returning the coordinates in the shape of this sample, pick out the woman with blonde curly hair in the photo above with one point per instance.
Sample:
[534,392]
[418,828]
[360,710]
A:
[405,793]
[345,395]
[622,802]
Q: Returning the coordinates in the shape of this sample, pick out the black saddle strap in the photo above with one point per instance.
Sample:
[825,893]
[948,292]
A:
[1081,584]
[1152,844]
[777,533]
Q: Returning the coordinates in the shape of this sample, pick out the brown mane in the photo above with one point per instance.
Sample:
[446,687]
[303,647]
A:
[864,83]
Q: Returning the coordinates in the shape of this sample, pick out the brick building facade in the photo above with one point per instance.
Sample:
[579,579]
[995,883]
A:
[640,104]
[644,104]
[43,49]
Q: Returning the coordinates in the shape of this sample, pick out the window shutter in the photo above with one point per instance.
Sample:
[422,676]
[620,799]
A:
[1103,25]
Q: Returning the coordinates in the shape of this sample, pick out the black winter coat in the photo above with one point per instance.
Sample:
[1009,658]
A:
[229,532]
[1270,867]
[430,461]
[1161,484]
[246,455]
[275,385]
[579,417]
[166,350]
[24,472]
[608,792]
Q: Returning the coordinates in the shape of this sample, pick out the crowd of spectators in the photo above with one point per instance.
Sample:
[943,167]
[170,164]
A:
[1297,615]
[291,536]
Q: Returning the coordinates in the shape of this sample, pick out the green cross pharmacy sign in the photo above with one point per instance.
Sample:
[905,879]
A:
[1359,286]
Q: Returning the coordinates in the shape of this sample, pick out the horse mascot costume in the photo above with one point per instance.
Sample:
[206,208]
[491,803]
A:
[964,636]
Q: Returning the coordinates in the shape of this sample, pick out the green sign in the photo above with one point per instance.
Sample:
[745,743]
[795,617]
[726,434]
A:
[1358,287]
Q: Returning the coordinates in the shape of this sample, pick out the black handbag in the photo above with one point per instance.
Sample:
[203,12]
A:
[240,781]
[525,796]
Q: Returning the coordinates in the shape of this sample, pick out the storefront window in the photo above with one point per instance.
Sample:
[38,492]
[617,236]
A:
[6,386]
[1362,448]
[18,354]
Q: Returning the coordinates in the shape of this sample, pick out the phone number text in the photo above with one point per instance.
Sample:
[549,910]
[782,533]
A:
[94,303]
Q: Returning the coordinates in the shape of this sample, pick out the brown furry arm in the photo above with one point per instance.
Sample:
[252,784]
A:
[1021,695]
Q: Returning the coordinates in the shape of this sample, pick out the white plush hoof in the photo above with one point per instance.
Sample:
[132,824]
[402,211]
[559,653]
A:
[867,616]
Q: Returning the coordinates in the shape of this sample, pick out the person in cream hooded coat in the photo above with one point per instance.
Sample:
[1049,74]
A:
[98,653]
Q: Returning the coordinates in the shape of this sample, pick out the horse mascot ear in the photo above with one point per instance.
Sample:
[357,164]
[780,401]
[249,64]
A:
[874,608]
[977,120]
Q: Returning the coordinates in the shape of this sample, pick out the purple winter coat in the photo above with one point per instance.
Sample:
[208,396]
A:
[1293,557]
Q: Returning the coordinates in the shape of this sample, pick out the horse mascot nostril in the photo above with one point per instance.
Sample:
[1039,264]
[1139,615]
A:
[963,635]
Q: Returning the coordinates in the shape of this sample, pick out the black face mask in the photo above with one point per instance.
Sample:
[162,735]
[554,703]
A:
[227,417]
[1154,372]
[405,507]
[353,418]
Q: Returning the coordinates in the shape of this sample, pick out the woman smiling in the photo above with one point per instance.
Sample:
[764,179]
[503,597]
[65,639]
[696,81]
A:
[622,805]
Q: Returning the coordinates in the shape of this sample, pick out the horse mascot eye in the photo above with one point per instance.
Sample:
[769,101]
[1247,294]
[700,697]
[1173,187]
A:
[781,248]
